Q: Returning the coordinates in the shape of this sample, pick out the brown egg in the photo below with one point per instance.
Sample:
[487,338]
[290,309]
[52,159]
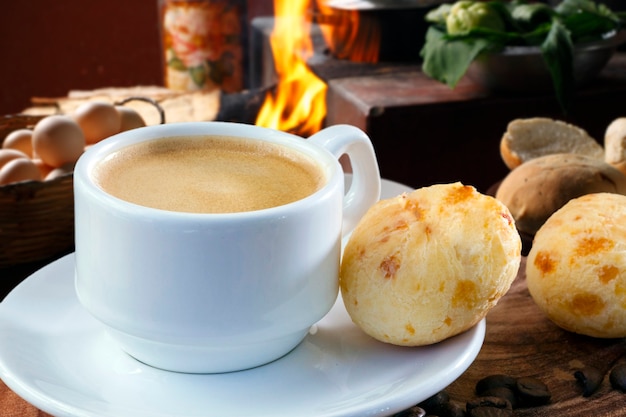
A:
[44,169]
[20,169]
[130,119]
[58,140]
[60,171]
[98,120]
[21,140]
[7,155]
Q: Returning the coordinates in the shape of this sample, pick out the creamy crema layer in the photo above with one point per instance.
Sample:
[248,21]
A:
[209,174]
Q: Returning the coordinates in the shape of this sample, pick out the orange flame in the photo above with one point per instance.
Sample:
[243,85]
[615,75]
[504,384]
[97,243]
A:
[299,103]
[349,34]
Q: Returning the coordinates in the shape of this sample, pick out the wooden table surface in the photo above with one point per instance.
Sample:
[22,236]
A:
[521,341]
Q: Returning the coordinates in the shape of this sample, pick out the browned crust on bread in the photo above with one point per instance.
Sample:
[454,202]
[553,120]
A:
[510,159]
[539,187]
[575,271]
[427,265]
[615,144]
[526,139]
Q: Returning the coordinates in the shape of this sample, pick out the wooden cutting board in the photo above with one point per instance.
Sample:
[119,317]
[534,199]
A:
[521,341]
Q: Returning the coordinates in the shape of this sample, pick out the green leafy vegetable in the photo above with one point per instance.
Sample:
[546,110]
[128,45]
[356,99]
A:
[466,15]
[531,14]
[585,26]
[462,31]
[558,54]
[451,60]
[569,7]
[439,14]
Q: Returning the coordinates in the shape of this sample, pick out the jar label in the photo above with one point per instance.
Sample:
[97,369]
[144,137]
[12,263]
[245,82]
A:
[202,44]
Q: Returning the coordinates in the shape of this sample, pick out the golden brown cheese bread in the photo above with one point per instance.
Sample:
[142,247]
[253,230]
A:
[526,139]
[539,187]
[615,144]
[425,266]
[576,269]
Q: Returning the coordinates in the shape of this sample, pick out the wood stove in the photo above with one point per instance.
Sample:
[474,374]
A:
[423,131]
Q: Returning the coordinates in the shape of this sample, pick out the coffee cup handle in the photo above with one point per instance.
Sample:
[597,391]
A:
[364,190]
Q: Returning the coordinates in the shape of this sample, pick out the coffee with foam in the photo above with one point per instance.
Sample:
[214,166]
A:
[209,174]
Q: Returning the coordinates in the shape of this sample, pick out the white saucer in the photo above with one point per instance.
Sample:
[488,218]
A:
[57,357]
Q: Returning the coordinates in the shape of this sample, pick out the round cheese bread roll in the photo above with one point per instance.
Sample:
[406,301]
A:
[526,139]
[614,144]
[541,186]
[425,266]
[576,269]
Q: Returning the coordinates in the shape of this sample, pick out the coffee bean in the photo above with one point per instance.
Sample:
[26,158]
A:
[436,401]
[494,402]
[617,377]
[414,411]
[504,393]
[495,381]
[589,378]
[441,405]
[490,412]
[532,392]
[451,409]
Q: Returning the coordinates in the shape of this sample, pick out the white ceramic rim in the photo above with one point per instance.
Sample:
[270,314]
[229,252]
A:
[91,157]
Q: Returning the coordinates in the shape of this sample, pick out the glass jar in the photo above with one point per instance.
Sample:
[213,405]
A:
[202,44]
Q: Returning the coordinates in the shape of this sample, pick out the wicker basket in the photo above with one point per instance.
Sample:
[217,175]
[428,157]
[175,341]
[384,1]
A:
[36,217]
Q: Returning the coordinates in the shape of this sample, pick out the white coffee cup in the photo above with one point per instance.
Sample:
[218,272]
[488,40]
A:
[209,293]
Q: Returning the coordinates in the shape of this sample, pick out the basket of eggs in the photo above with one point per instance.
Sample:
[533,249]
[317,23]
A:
[37,157]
